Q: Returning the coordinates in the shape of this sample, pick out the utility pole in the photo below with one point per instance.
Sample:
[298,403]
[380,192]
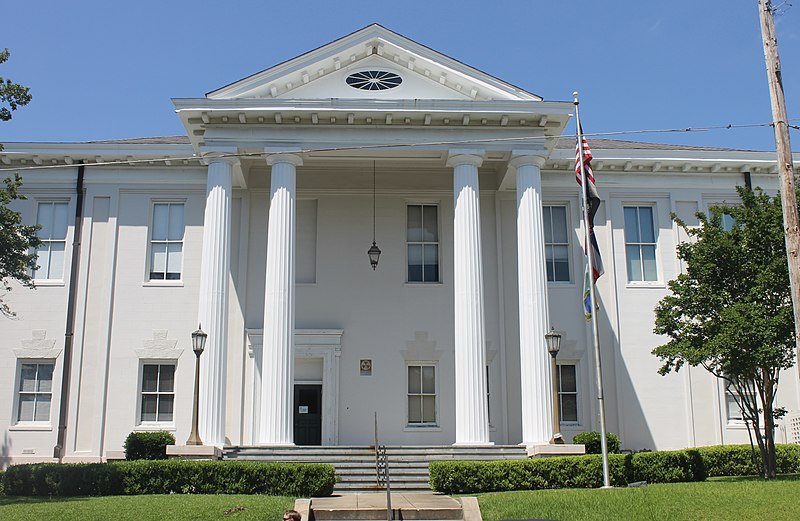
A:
[785,168]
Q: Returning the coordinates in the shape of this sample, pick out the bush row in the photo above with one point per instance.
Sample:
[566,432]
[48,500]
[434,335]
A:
[737,460]
[170,477]
[469,477]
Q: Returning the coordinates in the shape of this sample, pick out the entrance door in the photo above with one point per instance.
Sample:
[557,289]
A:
[308,414]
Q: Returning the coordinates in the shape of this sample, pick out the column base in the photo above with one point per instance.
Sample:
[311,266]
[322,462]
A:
[549,450]
[194,452]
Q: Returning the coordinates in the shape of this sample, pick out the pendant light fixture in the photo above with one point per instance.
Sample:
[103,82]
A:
[374,252]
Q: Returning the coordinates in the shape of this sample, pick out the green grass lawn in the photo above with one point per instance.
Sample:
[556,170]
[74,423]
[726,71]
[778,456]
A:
[175,507]
[720,498]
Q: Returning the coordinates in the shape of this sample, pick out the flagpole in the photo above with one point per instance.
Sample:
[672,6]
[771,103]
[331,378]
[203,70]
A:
[593,302]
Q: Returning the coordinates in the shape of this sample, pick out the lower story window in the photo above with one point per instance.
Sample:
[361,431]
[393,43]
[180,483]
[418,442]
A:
[568,393]
[734,410]
[34,393]
[158,393]
[422,394]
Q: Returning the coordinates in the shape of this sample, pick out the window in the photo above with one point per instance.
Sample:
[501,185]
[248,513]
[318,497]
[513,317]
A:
[166,242]
[35,390]
[422,394]
[52,216]
[732,408]
[158,392]
[567,393]
[728,222]
[423,243]
[556,243]
[640,243]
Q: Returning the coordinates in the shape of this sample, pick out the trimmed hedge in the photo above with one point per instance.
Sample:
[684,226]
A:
[468,477]
[147,445]
[591,440]
[736,460]
[170,477]
[674,466]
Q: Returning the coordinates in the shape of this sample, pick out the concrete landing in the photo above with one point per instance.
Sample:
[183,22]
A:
[369,506]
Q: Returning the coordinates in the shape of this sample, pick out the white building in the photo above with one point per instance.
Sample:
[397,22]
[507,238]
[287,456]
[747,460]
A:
[257,222]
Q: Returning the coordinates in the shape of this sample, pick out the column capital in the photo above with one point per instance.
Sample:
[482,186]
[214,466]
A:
[527,157]
[293,159]
[465,156]
[219,157]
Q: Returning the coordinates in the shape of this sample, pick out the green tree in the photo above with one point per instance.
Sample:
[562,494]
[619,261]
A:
[17,241]
[731,311]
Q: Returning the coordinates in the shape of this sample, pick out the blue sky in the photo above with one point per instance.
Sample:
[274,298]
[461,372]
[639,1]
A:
[107,70]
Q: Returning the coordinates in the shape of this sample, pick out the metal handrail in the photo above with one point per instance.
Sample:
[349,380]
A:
[382,471]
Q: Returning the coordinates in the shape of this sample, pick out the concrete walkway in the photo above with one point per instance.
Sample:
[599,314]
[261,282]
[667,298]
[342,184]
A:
[371,506]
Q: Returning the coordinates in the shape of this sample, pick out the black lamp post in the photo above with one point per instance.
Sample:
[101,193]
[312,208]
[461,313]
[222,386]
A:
[553,340]
[198,345]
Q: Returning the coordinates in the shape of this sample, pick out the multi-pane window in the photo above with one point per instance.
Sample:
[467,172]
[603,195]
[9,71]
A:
[556,243]
[166,241]
[640,243]
[728,222]
[158,392]
[52,216]
[422,394]
[423,243]
[733,410]
[568,393]
[35,390]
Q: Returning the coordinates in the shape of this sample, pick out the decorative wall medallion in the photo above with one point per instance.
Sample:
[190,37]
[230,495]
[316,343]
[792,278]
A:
[365,366]
[374,80]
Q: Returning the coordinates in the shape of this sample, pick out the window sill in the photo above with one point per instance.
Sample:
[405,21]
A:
[423,284]
[162,284]
[561,283]
[149,427]
[651,285]
[42,283]
[425,428]
[31,426]
[736,425]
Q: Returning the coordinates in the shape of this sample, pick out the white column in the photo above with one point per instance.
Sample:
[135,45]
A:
[537,400]
[472,423]
[213,308]
[277,370]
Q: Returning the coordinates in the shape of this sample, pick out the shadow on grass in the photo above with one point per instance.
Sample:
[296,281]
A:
[737,479]
[32,500]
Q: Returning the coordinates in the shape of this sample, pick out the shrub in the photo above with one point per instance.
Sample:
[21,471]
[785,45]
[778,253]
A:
[592,442]
[2,483]
[668,466]
[468,477]
[170,476]
[737,460]
[147,445]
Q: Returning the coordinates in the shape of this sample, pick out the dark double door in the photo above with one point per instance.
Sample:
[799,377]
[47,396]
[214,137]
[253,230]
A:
[308,414]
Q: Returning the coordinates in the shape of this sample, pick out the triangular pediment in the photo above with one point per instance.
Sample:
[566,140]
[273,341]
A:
[357,65]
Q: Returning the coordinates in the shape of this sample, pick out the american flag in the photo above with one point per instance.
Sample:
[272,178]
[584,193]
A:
[593,203]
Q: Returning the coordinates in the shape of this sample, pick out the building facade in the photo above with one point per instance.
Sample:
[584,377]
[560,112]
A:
[256,225]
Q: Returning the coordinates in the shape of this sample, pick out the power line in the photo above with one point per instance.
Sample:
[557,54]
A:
[380,146]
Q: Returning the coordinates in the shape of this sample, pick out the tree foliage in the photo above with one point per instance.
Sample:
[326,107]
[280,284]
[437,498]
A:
[17,241]
[731,310]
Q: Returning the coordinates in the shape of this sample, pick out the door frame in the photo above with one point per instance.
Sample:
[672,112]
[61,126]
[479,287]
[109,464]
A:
[325,344]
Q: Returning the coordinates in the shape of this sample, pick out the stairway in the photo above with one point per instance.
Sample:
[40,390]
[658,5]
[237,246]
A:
[355,465]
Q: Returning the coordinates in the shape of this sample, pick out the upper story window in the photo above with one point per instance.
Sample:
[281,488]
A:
[556,243]
[640,243]
[34,393]
[52,216]
[166,241]
[423,243]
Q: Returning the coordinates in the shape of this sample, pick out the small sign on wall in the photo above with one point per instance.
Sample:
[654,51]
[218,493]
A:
[302,409]
[365,367]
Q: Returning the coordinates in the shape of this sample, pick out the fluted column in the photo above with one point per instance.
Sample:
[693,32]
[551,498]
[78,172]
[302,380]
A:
[213,306]
[472,423]
[277,370]
[537,404]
